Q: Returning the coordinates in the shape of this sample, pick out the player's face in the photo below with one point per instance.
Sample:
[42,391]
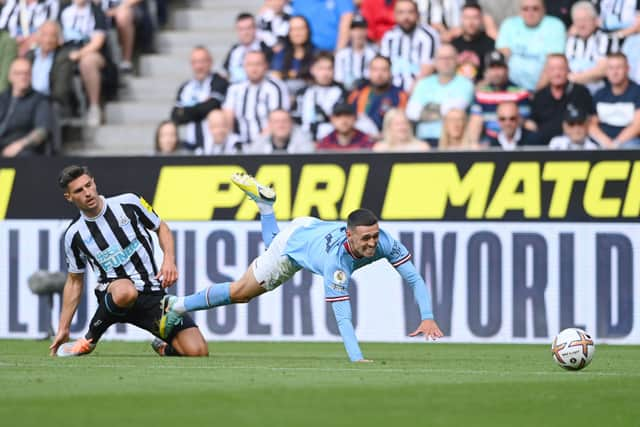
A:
[83,193]
[363,239]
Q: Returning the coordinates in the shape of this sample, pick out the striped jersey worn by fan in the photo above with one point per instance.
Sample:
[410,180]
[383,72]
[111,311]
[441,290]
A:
[116,243]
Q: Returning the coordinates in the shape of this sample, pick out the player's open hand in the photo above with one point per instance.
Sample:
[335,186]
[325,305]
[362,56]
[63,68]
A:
[61,338]
[429,328]
[168,274]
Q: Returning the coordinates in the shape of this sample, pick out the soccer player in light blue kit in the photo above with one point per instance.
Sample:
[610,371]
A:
[333,250]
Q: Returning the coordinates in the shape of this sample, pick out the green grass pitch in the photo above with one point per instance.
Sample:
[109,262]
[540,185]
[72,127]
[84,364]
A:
[301,384]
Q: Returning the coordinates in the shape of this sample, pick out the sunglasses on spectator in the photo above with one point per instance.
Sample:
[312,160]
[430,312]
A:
[509,119]
[531,8]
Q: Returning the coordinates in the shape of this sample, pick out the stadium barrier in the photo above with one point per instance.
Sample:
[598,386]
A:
[514,246]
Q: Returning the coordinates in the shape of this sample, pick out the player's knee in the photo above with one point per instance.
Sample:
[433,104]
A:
[124,296]
[196,349]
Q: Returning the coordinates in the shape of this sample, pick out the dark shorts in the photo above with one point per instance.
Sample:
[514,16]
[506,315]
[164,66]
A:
[146,314]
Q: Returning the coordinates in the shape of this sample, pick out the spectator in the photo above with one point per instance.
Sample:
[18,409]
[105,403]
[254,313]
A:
[454,132]
[352,62]
[550,102]
[167,141]
[315,103]
[483,124]
[622,17]
[345,137]
[561,9]
[249,103]
[397,134]
[434,93]
[52,70]
[273,24]
[84,30]
[205,91]
[22,18]
[444,16]
[329,21]
[247,41]
[512,134]
[221,138]
[126,15]
[576,132]
[379,14]
[293,62]
[380,95]
[473,44]
[527,40]
[282,137]
[410,46]
[25,115]
[617,123]
[588,46]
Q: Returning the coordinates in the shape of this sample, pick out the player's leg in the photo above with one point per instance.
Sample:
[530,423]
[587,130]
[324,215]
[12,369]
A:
[184,340]
[264,197]
[113,306]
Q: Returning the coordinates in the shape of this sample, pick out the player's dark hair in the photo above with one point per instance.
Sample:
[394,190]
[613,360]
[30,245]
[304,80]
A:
[70,173]
[244,15]
[361,217]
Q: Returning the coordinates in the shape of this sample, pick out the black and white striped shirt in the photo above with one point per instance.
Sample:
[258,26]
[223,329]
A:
[445,12]
[314,107]
[617,14]
[251,104]
[116,243]
[19,22]
[408,52]
[351,66]
[194,101]
[272,28]
[234,63]
[585,53]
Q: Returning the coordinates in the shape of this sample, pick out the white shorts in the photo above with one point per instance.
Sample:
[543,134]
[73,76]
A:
[273,267]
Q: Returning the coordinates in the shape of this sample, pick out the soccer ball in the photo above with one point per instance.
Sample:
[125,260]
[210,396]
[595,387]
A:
[573,349]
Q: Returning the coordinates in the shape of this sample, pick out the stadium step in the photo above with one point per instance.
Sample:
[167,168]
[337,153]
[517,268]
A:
[147,99]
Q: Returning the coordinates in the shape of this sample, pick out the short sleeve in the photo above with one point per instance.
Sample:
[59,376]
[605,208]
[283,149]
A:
[75,258]
[148,217]
[336,283]
[394,251]
[504,34]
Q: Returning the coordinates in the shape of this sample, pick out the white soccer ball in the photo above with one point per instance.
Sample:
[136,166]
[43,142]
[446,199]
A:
[573,349]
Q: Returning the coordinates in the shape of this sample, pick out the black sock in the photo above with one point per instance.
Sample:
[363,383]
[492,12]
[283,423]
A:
[170,351]
[114,308]
[100,322]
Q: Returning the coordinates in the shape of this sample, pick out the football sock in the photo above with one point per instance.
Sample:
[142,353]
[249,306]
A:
[169,351]
[100,322]
[264,208]
[269,227]
[213,296]
[114,308]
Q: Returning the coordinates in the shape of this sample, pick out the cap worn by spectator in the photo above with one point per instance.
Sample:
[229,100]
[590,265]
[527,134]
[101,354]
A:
[495,59]
[342,108]
[358,21]
[574,115]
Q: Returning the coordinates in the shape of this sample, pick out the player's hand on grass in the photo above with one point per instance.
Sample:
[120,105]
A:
[168,274]
[429,328]
[61,338]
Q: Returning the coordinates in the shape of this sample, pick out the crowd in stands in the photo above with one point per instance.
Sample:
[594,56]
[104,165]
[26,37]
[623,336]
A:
[344,75]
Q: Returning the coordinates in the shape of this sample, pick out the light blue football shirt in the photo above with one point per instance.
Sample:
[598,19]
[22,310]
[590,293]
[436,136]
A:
[530,46]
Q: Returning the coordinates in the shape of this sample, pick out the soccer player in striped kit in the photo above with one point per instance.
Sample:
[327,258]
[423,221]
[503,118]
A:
[112,235]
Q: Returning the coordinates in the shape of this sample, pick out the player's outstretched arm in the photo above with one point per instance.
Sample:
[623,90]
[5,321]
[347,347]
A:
[168,271]
[428,327]
[70,301]
[342,311]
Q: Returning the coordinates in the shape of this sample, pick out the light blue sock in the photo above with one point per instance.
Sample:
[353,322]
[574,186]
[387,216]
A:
[269,228]
[213,296]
